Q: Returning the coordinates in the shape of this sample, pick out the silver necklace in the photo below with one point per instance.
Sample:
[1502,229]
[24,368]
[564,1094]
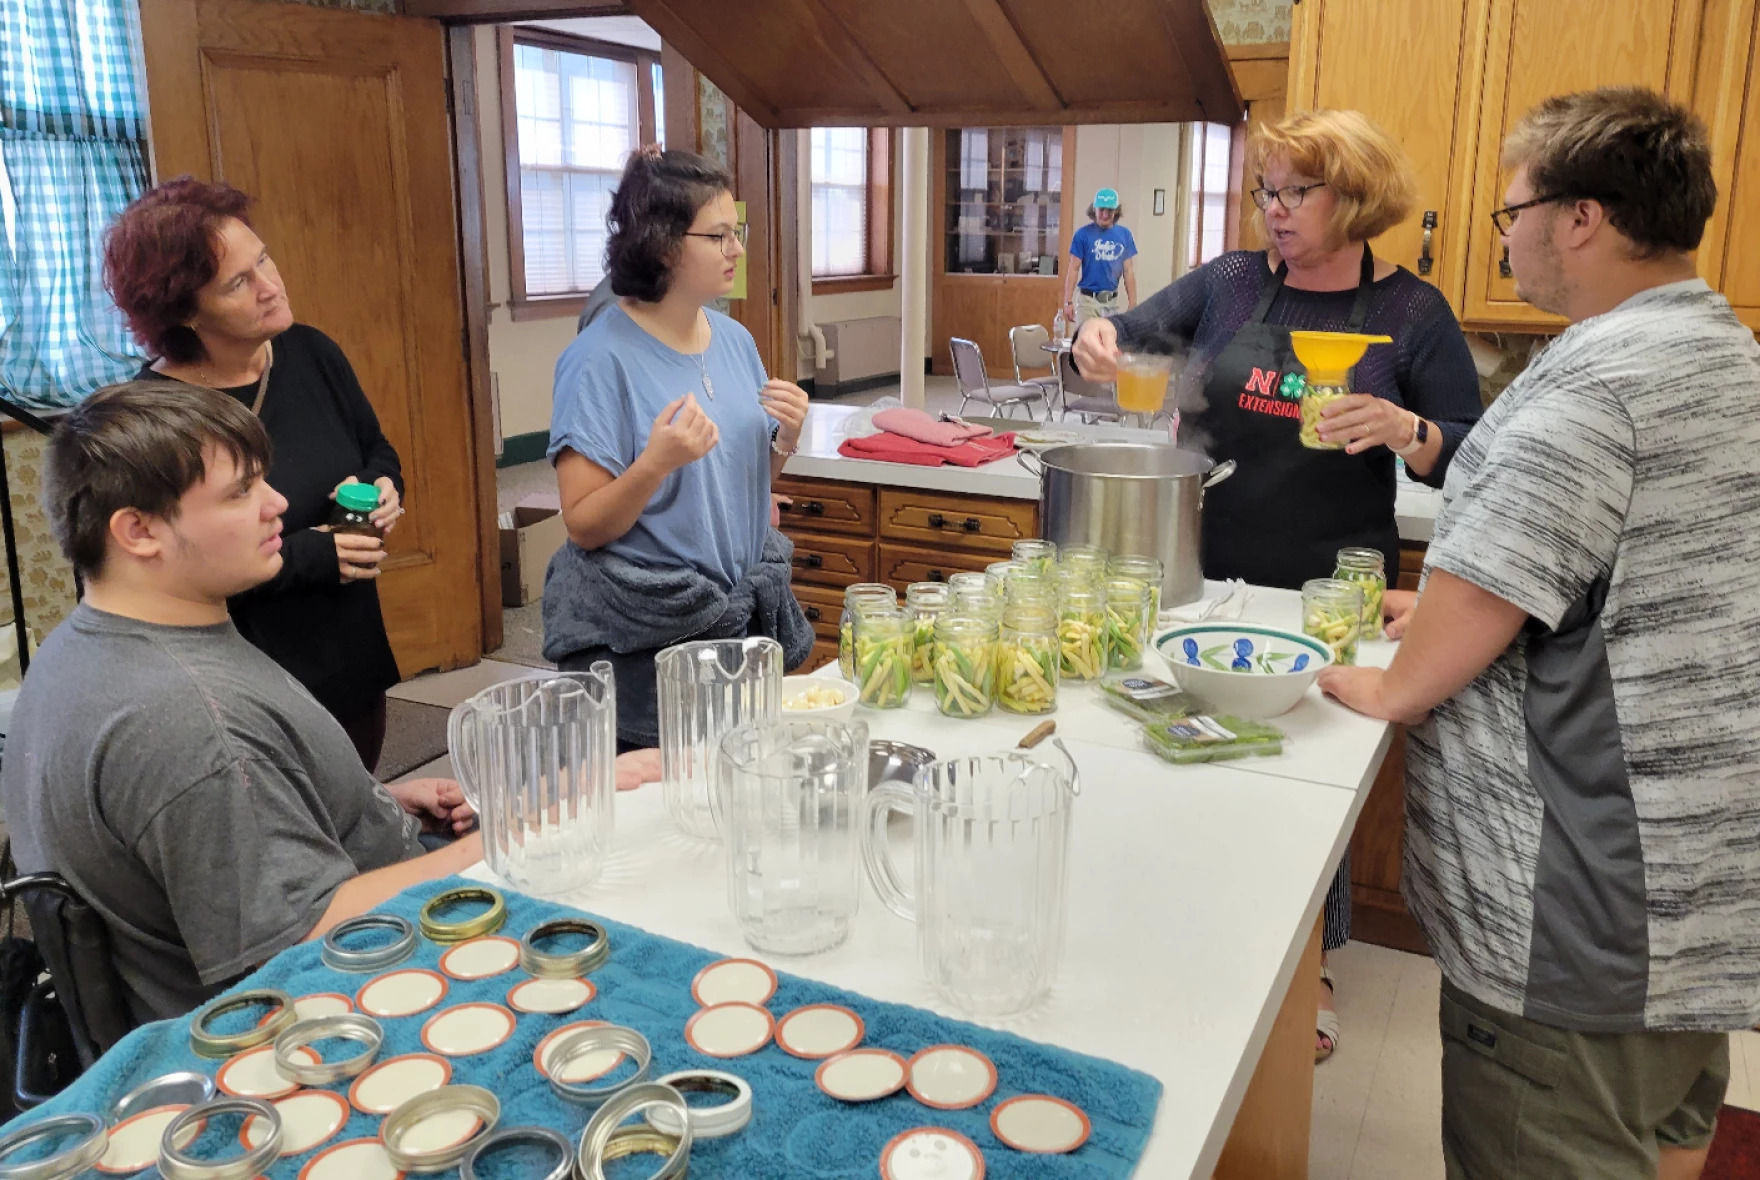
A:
[703,368]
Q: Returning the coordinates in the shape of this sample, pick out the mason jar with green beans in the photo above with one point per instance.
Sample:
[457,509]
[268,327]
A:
[965,664]
[1081,632]
[977,602]
[1332,612]
[884,642]
[1027,659]
[924,602]
[1368,569]
[1029,586]
[1147,570]
[1127,623]
[967,580]
[999,570]
[854,599]
[1087,561]
[1036,555]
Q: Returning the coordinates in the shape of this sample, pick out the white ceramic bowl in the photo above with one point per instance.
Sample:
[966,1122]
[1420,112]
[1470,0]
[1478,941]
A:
[1243,668]
[797,686]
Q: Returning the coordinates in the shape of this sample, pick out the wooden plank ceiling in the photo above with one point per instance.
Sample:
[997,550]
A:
[955,63]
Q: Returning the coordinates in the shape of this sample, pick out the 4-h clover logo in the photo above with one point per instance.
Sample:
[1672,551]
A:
[1292,385]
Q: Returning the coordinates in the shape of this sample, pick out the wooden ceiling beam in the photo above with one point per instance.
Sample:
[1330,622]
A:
[708,60]
[1188,26]
[484,12]
[1013,55]
[1126,111]
[854,57]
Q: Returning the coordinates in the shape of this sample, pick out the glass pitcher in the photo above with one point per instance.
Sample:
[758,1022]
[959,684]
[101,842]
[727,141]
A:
[792,795]
[536,758]
[992,863]
[705,688]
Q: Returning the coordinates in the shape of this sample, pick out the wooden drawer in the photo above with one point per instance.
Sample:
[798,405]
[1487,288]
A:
[824,654]
[825,506]
[824,609]
[1411,564]
[901,565]
[977,523]
[832,561]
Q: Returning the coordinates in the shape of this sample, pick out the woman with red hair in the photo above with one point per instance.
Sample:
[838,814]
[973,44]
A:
[202,295]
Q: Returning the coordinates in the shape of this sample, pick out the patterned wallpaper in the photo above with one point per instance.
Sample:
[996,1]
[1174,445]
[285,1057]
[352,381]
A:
[1246,22]
[47,578]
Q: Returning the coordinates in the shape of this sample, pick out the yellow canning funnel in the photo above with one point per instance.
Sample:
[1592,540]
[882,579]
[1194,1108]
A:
[1329,355]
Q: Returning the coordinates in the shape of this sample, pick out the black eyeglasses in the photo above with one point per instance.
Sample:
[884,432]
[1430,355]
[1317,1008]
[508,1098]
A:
[726,237]
[1290,196]
[1505,219]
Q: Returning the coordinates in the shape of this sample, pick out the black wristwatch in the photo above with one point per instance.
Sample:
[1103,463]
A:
[1420,436]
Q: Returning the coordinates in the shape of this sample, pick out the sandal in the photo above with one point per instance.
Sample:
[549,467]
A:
[1325,1024]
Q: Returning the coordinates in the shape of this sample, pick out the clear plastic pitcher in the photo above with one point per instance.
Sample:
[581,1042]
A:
[992,865]
[705,688]
[792,796]
[537,759]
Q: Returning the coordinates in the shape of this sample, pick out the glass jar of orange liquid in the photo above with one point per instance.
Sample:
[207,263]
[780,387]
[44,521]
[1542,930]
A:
[1142,384]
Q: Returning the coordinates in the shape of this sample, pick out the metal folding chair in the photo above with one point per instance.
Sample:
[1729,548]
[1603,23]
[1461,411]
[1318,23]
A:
[974,384]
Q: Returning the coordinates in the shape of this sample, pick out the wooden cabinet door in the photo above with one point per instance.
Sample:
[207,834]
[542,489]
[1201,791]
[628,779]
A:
[335,122]
[1728,90]
[1413,68]
[1539,48]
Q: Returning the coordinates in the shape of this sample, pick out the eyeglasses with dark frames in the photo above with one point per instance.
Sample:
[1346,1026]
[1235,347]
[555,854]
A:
[1505,219]
[1290,196]
[726,237]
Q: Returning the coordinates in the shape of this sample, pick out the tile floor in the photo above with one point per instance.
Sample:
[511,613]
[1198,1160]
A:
[1377,1102]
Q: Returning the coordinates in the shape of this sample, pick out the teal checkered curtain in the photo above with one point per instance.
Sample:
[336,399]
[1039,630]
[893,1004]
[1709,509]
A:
[73,150]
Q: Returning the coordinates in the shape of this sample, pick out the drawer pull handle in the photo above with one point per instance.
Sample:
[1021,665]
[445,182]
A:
[1425,262]
[973,524]
[812,613]
[1503,265]
[937,576]
[811,561]
[814,508]
[937,521]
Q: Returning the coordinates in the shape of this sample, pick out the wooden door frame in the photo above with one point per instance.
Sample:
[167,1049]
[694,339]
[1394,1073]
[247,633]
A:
[473,250]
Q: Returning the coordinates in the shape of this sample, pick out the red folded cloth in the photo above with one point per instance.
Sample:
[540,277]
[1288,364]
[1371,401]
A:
[925,427]
[896,448]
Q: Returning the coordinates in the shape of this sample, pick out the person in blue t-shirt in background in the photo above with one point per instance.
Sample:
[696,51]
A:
[1102,250]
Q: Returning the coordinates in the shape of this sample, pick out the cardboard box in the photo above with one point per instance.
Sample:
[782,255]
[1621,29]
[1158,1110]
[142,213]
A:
[526,549]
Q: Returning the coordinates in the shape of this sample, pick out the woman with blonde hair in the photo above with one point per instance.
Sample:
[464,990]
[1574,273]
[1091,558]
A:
[1327,182]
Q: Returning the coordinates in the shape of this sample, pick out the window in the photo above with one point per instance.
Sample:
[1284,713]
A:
[852,208]
[1004,206]
[1207,178]
[573,109]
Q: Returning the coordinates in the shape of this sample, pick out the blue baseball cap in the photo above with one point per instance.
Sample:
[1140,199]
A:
[1106,198]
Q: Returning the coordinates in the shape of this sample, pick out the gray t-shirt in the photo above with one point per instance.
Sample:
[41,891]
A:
[194,793]
[1583,819]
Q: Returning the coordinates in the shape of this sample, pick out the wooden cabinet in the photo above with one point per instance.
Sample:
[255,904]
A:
[1450,78]
[1727,96]
[861,533]
[1413,67]
[1629,42]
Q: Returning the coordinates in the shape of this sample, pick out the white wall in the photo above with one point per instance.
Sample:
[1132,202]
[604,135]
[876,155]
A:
[1135,159]
[521,355]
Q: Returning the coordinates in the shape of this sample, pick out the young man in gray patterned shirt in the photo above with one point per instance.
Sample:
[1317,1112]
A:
[1582,678]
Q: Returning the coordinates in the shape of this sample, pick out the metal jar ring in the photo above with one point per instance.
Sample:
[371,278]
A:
[541,1137]
[208,1043]
[707,1122]
[487,922]
[72,1160]
[175,1165]
[606,1121]
[566,964]
[597,1039]
[470,1099]
[343,1026]
[338,957]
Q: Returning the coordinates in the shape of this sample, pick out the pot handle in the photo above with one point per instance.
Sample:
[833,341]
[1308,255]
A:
[1031,461]
[1218,473]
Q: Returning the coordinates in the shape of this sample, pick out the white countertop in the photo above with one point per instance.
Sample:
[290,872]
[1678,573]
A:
[1193,891]
[1415,505]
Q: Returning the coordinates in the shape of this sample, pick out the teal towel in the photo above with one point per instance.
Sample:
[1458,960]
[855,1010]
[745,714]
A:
[796,1130]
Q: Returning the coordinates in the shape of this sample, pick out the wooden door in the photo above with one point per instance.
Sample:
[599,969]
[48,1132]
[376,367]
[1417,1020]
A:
[336,123]
[1728,89]
[1539,48]
[1413,68]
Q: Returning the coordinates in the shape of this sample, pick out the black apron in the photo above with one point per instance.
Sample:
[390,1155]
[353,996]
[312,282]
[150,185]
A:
[1287,510]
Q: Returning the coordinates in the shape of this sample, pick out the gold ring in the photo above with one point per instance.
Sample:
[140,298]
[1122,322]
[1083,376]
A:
[211,1044]
[487,922]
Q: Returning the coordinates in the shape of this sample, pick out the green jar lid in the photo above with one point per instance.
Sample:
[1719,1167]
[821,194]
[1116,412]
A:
[358,497]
